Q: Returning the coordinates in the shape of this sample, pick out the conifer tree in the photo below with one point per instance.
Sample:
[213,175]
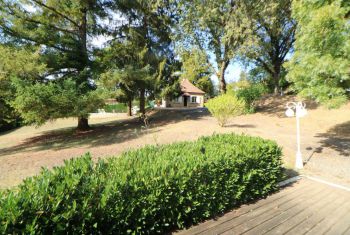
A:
[62,30]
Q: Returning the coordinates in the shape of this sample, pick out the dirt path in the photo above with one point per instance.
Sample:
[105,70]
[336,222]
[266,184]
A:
[325,138]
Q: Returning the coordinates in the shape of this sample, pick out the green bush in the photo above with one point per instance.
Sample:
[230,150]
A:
[224,107]
[250,94]
[116,108]
[151,190]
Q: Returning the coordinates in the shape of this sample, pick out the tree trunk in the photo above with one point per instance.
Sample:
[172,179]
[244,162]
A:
[83,38]
[83,124]
[142,101]
[129,107]
[223,68]
[276,77]
[276,86]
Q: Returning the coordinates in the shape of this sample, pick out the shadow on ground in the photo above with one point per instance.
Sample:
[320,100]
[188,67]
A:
[104,134]
[337,138]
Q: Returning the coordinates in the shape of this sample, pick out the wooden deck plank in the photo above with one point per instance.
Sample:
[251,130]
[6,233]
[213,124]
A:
[299,218]
[306,207]
[260,211]
[283,216]
[341,226]
[275,212]
[288,190]
[326,224]
[320,215]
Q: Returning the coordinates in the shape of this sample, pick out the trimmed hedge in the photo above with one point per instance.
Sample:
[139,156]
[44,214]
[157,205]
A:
[151,190]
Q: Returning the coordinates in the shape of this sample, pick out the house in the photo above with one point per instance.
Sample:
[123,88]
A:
[191,96]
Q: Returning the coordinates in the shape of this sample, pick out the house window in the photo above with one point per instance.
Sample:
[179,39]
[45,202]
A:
[194,99]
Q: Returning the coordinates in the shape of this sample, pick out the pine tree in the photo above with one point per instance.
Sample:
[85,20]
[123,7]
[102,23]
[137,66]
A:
[62,30]
[144,44]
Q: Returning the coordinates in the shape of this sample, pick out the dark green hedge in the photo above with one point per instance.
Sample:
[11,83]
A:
[151,190]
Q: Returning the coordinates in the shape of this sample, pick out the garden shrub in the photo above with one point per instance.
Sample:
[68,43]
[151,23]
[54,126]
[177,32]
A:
[151,190]
[250,94]
[224,107]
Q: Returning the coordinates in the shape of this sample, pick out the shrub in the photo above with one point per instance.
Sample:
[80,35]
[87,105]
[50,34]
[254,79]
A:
[224,107]
[250,94]
[151,190]
[115,108]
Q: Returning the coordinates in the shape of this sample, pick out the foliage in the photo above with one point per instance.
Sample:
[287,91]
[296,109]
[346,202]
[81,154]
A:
[250,94]
[115,108]
[247,91]
[152,190]
[139,56]
[196,69]
[319,68]
[273,37]
[39,102]
[224,107]
[15,62]
[61,30]
[217,27]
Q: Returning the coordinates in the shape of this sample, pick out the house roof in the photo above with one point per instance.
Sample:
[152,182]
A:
[188,88]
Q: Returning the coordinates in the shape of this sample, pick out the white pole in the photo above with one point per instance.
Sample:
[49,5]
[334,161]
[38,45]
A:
[299,159]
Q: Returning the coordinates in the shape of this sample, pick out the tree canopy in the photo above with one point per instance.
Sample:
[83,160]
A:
[320,66]
[273,37]
[49,67]
[61,30]
[217,27]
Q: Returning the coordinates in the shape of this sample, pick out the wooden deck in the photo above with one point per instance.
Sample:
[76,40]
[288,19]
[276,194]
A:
[305,207]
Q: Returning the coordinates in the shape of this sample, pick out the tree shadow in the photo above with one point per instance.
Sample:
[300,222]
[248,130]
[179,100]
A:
[241,126]
[270,105]
[103,134]
[337,138]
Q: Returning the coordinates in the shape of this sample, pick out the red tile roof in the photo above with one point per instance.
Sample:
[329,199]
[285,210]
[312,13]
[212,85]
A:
[188,88]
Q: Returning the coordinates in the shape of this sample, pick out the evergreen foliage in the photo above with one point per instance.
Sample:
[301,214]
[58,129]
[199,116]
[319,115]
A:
[61,29]
[152,190]
[14,63]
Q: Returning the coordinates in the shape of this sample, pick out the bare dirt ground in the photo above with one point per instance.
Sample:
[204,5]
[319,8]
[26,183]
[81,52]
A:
[325,138]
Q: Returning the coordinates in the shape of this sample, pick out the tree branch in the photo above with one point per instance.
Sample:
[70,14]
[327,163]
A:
[56,12]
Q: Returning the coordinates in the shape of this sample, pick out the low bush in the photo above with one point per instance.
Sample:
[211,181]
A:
[151,190]
[224,107]
[250,94]
[116,108]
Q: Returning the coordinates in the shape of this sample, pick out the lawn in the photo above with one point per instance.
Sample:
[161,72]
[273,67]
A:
[325,138]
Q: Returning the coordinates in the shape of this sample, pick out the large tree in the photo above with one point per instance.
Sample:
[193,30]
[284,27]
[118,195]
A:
[273,36]
[217,27]
[143,40]
[320,66]
[128,71]
[62,29]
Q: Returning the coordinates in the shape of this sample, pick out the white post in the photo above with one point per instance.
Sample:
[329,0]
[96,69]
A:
[299,159]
